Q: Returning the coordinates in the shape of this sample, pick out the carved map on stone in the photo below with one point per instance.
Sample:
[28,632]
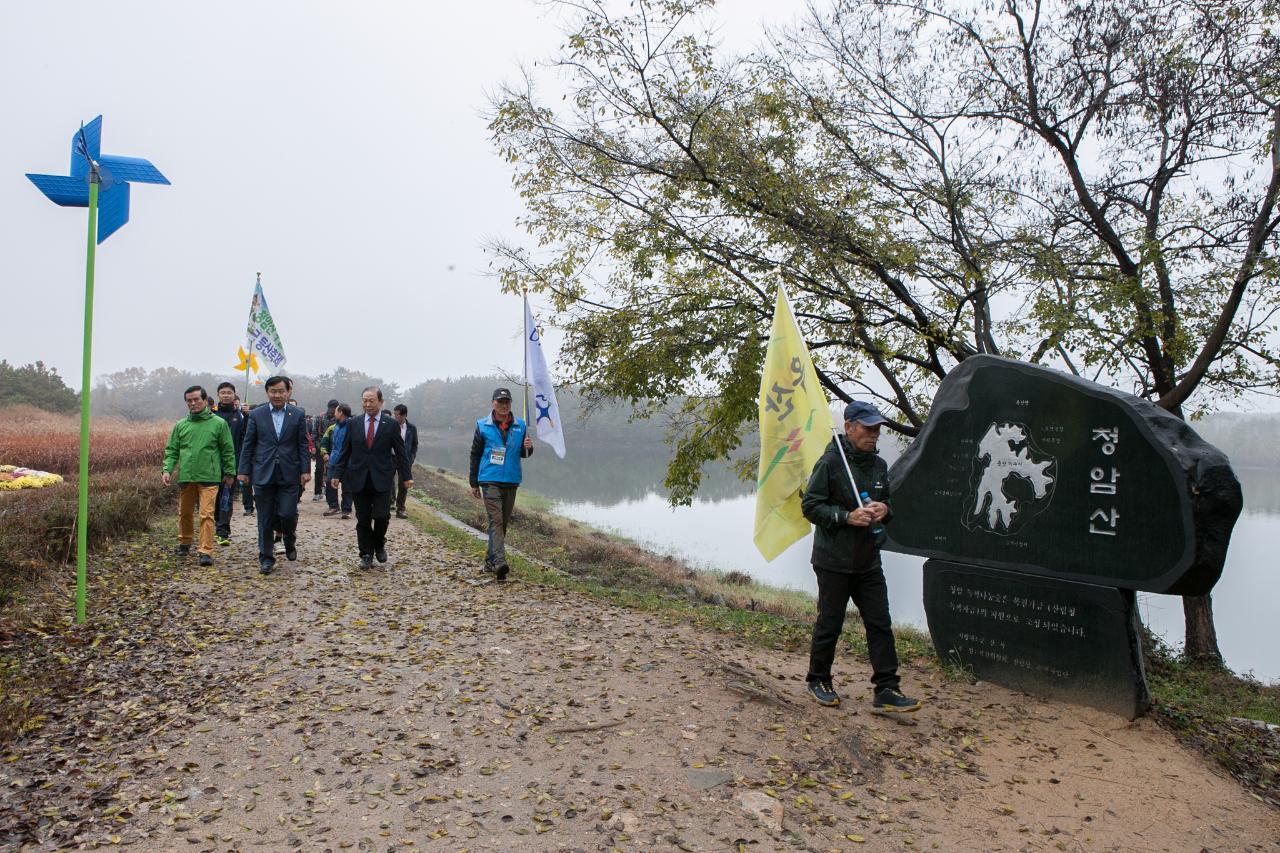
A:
[1012,480]
[1029,469]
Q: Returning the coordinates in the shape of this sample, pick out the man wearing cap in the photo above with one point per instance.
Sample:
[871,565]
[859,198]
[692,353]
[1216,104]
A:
[498,446]
[846,557]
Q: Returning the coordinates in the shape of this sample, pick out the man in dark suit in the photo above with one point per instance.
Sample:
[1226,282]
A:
[372,454]
[276,456]
[409,433]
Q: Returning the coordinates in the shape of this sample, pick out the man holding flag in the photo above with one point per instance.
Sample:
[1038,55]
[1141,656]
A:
[797,449]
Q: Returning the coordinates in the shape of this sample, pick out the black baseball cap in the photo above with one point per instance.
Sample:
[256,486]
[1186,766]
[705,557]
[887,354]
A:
[864,413]
[502,394]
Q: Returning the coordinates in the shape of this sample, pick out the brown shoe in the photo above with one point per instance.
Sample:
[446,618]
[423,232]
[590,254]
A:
[329,512]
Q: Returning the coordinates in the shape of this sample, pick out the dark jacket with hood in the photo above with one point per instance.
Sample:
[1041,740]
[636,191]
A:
[828,499]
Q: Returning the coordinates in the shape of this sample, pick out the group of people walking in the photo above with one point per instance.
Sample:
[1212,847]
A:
[362,462]
[365,461]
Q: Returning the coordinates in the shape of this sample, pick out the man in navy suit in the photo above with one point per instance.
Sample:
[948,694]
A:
[373,453]
[276,456]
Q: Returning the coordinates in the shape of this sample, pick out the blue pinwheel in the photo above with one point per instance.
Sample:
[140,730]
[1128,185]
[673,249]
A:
[114,174]
[100,183]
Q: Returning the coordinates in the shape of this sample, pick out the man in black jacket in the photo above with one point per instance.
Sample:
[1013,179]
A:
[319,426]
[229,412]
[409,433]
[372,453]
[847,537]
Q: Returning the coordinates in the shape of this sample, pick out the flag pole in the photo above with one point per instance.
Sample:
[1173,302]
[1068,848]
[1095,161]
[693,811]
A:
[82,505]
[525,321]
[835,433]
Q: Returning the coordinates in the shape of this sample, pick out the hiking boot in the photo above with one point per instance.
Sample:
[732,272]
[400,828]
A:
[366,561]
[222,540]
[183,550]
[823,693]
[890,700]
[206,560]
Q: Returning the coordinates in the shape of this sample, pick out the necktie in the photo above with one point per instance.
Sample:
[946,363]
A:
[368,437]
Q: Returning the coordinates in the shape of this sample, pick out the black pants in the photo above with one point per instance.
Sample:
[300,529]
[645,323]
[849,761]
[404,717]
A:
[222,509]
[870,594]
[320,481]
[246,495]
[402,493]
[373,516]
[277,510]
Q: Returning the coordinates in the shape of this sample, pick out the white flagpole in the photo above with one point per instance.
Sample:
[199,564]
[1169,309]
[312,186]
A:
[525,321]
[835,433]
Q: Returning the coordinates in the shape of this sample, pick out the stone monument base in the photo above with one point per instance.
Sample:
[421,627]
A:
[1063,640]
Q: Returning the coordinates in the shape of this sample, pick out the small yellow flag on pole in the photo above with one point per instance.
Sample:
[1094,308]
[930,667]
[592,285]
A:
[795,426]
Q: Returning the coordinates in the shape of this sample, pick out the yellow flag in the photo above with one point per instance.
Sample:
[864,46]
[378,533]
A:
[795,426]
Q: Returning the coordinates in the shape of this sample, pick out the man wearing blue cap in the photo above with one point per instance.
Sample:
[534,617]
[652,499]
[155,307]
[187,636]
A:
[847,537]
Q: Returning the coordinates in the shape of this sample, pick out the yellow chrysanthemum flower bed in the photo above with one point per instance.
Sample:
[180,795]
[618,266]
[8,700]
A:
[13,478]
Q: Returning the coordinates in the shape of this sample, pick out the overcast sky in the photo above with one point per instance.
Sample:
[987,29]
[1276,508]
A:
[338,148]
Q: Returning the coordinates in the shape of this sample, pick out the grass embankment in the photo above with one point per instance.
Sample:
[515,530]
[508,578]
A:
[610,567]
[1196,703]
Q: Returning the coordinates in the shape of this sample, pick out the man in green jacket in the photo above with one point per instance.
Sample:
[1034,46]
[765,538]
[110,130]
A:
[846,557]
[201,448]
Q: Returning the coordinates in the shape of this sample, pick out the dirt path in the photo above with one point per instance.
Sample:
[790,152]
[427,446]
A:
[422,705]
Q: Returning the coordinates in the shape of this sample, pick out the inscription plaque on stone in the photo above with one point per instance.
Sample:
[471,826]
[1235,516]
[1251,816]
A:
[1030,469]
[1064,640]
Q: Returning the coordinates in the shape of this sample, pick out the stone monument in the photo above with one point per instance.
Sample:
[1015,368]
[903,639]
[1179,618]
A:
[1044,501]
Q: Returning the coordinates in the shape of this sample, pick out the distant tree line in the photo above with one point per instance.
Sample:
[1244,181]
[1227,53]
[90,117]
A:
[438,406]
[36,385]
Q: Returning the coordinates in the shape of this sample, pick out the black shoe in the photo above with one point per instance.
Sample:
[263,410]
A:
[401,514]
[317,498]
[291,552]
[248,512]
[333,510]
[502,571]
[381,554]
[346,515]
[206,560]
[823,693]
[892,701]
[182,551]
[366,561]
[266,566]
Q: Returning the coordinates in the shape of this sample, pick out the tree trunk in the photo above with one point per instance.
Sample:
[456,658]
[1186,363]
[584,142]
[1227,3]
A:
[1201,637]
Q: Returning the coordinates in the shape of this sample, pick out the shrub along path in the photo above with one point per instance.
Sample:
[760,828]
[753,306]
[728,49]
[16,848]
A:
[422,705]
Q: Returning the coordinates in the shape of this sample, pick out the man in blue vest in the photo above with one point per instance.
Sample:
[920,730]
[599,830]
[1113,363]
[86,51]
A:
[498,446]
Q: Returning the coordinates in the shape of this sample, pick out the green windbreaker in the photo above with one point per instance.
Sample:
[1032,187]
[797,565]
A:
[200,446]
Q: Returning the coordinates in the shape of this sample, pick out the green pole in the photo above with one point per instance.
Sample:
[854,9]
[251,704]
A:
[82,511]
